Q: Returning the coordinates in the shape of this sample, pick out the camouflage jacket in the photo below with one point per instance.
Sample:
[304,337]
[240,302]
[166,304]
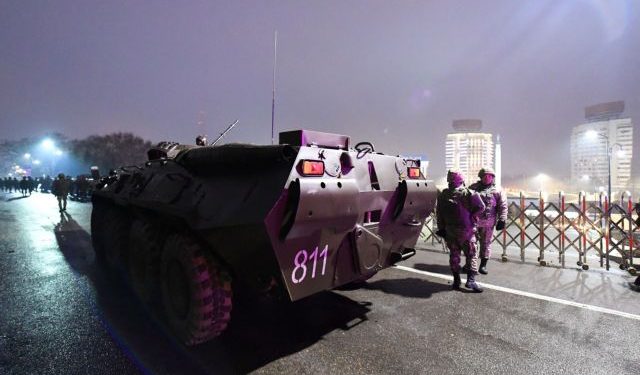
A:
[495,202]
[457,210]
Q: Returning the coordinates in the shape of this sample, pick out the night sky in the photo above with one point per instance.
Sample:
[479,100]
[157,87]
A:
[392,72]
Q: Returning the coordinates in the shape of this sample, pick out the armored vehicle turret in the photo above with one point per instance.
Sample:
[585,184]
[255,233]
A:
[307,215]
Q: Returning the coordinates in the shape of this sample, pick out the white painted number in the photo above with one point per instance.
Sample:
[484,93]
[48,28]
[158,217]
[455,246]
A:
[300,262]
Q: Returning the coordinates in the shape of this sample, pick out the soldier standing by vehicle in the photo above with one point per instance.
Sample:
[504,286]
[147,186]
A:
[494,214]
[60,188]
[457,210]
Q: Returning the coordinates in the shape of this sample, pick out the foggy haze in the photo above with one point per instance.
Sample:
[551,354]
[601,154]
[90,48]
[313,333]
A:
[395,73]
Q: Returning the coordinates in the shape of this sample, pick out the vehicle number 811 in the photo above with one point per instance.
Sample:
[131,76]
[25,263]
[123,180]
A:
[300,262]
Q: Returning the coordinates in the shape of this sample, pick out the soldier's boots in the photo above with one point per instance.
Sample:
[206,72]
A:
[483,266]
[471,283]
[636,284]
[456,281]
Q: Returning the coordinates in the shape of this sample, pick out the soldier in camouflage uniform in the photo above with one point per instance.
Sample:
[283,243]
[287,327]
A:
[457,210]
[494,215]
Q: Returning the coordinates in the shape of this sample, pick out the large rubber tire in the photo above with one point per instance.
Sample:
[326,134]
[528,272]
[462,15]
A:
[144,260]
[196,291]
[97,230]
[116,224]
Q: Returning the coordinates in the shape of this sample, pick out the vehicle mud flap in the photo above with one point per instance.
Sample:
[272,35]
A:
[324,213]
[291,208]
[369,251]
[404,217]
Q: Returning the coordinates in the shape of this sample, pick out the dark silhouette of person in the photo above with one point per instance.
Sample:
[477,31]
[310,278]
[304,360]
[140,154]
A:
[60,188]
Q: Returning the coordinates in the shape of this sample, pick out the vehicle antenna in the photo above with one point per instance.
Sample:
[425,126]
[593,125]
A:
[224,133]
[273,97]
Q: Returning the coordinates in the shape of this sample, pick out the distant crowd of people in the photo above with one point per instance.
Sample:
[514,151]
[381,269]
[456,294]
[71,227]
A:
[80,187]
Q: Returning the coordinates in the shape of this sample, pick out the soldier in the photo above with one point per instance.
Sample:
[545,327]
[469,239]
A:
[31,185]
[494,215]
[201,140]
[60,188]
[24,186]
[46,184]
[457,209]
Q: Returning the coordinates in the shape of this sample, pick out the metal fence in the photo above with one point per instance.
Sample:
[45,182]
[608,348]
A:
[608,231]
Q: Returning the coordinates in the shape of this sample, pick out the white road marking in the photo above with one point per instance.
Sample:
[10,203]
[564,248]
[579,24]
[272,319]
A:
[528,294]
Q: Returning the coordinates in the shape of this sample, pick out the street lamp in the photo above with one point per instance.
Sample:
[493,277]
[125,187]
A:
[592,134]
[48,144]
[541,178]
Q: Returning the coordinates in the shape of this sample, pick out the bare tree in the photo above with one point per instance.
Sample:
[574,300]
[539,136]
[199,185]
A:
[111,151]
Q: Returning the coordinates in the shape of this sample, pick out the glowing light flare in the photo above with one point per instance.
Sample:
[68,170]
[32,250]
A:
[27,156]
[58,152]
[48,144]
[542,177]
[591,134]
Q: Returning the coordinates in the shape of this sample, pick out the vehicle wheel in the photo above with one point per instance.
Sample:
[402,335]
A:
[623,266]
[579,263]
[632,271]
[97,230]
[144,260]
[585,267]
[116,237]
[543,263]
[196,292]
[504,258]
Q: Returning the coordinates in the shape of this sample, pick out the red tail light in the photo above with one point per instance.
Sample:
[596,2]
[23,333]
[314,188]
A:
[312,168]
[413,172]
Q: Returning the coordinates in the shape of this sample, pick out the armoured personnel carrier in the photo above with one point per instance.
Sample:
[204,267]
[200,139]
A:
[307,215]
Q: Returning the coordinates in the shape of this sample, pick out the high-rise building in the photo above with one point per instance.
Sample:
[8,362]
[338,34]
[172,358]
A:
[468,149]
[606,133]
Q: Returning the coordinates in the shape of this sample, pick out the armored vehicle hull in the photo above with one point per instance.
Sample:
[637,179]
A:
[308,215]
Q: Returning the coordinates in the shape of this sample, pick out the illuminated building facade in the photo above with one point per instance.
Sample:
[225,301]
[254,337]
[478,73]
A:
[468,149]
[605,133]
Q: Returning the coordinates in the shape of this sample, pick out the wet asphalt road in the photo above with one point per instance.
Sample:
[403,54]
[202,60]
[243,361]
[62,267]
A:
[61,314]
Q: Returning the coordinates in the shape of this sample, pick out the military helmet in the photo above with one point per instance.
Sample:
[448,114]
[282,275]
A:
[201,140]
[453,173]
[486,170]
[60,175]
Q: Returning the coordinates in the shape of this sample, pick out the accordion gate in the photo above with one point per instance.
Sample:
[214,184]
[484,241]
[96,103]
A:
[606,230]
